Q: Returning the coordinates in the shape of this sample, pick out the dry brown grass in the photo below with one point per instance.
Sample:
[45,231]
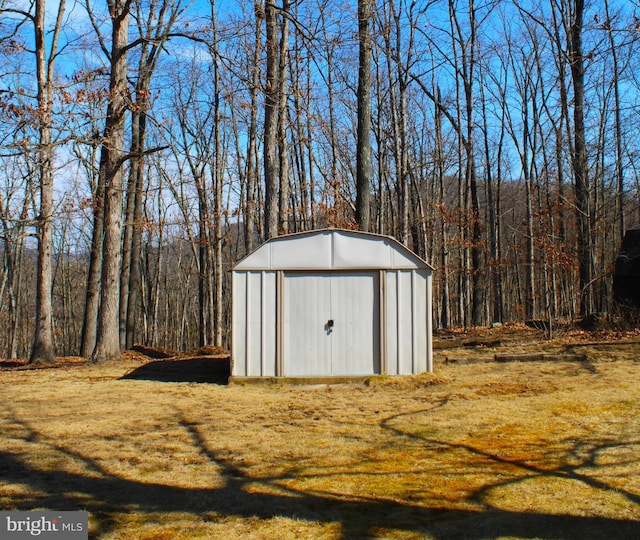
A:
[477,450]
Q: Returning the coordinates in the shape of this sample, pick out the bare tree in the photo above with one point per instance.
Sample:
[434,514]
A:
[270,142]
[252,138]
[111,164]
[43,349]
[617,69]
[284,202]
[363,151]
[579,159]
[154,28]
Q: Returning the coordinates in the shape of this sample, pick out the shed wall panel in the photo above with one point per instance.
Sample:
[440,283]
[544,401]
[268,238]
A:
[403,260]
[405,323]
[254,323]
[331,250]
[390,326]
[420,320]
[239,324]
[429,328]
[269,324]
[254,326]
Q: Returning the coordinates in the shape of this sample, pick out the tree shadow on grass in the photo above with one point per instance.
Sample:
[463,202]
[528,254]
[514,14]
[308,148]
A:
[105,495]
[196,370]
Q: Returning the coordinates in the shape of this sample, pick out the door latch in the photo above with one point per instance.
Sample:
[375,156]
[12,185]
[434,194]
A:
[329,326]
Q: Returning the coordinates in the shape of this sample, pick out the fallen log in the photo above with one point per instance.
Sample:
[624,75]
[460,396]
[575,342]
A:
[541,357]
[475,343]
[466,343]
[465,359]
[153,352]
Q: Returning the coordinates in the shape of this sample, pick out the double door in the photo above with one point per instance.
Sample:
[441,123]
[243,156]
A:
[331,324]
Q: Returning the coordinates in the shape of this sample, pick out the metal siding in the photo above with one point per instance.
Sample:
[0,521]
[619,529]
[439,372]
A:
[414,333]
[269,324]
[350,252]
[403,259]
[239,325]
[312,252]
[391,322]
[355,309]
[254,323]
[420,320]
[351,300]
[259,325]
[260,259]
[331,249]
[405,323]
[382,321]
[307,307]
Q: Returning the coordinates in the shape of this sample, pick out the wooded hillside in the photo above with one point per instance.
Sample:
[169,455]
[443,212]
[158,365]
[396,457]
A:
[148,145]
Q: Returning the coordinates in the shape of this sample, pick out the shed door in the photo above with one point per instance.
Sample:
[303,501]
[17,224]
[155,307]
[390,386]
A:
[331,324]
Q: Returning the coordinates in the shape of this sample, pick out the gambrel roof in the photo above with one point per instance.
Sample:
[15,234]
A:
[331,249]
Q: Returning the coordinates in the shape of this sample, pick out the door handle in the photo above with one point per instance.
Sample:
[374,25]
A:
[329,326]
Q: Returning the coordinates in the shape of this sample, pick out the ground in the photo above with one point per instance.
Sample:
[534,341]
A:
[542,448]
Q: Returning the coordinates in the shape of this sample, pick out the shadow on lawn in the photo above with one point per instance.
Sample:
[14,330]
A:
[105,495]
[359,519]
[197,370]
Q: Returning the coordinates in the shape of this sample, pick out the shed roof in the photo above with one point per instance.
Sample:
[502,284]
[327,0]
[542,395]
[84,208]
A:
[331,249]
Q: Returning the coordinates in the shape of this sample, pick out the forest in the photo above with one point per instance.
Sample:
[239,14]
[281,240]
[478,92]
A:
[146,146]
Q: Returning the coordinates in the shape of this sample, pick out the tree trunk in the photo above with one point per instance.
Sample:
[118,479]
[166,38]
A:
[250,203]
[43,350]
[283,147]
[92,296]
[579,162]
[271,163]
[134,282]
[445,314]
[108,336]
[363,149]
[155,26]
[469,64]
[217,175]
[496,293]
[619,169]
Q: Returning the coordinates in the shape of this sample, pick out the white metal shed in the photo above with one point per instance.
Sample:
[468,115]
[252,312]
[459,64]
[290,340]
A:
[331,303]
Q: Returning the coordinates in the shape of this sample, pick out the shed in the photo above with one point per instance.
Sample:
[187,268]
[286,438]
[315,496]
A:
[331,303]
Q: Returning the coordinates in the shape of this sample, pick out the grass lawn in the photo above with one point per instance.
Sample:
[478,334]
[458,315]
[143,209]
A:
[479,449]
